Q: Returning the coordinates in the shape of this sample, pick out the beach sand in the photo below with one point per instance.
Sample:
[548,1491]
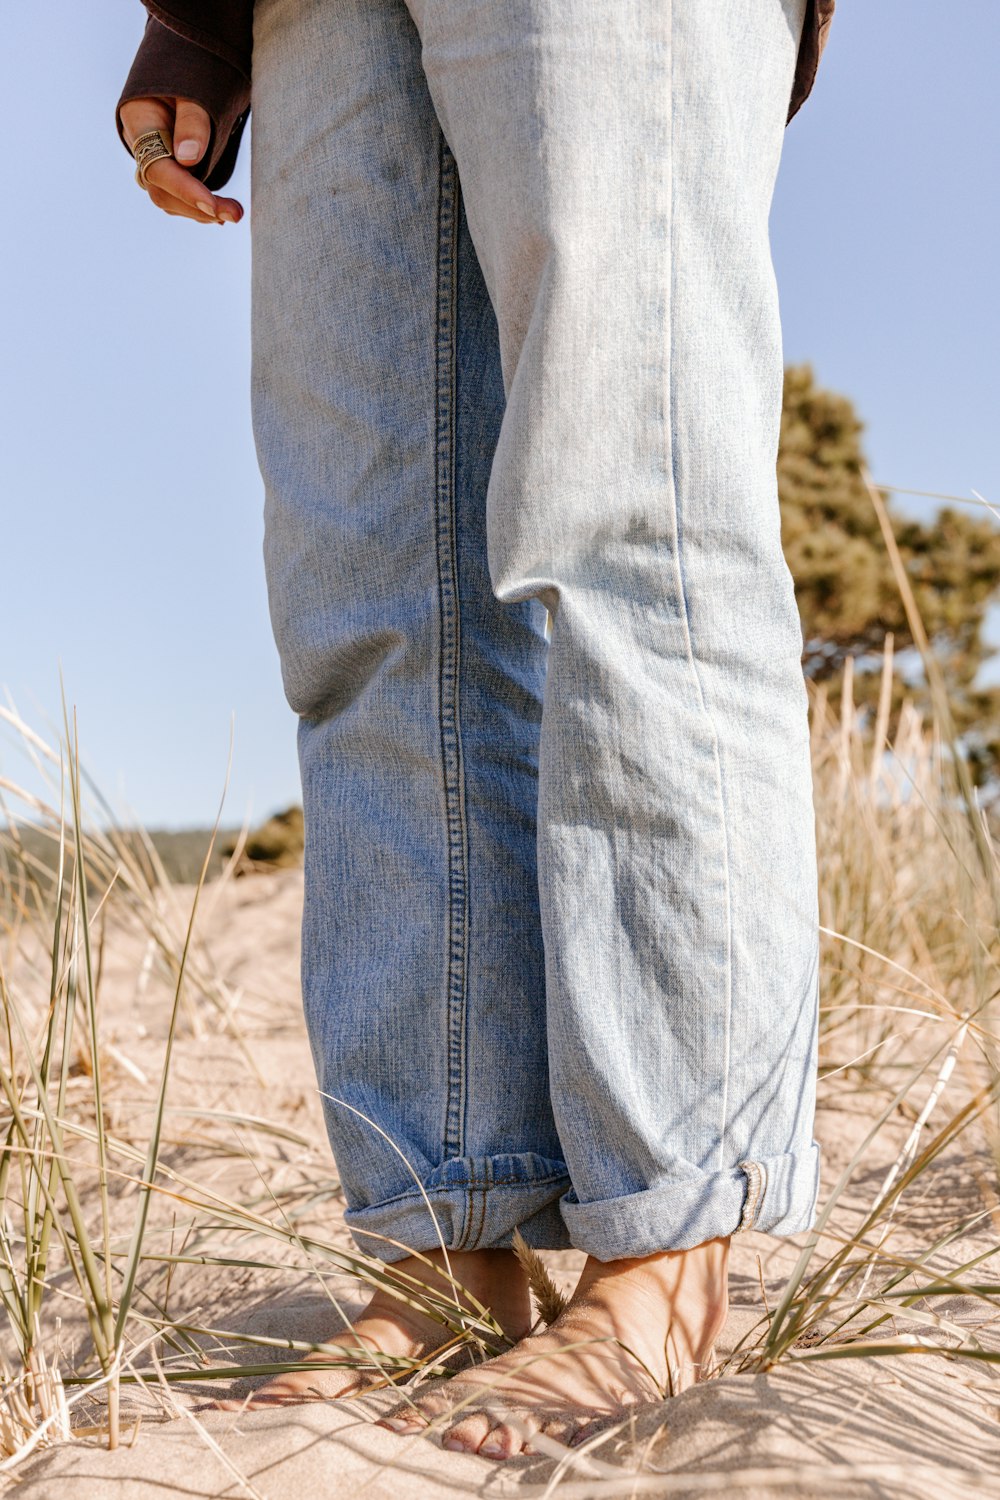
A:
[915,1425]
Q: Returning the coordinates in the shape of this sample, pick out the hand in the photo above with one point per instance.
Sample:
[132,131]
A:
[170,185]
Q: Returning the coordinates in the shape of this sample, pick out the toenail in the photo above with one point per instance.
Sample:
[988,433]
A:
[493,1450]
[455,1444]
[397,1424]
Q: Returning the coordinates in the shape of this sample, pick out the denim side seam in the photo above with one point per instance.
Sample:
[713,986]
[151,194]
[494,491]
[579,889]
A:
[673,487]
[450,647]
[773,1195]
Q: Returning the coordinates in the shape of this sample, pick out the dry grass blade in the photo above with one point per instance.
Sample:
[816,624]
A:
[548,1298]
[98,1171]
[939,692]
[152,1155]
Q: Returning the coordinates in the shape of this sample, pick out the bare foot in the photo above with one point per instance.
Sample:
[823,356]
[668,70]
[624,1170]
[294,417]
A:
[388,1327]
[634,1331]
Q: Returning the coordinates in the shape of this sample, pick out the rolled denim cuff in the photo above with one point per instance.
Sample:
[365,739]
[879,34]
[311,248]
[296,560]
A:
[775,1194]
[470,1204]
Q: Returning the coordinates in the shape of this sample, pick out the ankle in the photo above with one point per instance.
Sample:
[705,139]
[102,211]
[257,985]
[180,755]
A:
[699,1275]
[475,1279]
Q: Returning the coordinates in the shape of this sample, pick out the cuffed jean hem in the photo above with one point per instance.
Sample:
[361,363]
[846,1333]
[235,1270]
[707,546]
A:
[470,1204]
[775,1194]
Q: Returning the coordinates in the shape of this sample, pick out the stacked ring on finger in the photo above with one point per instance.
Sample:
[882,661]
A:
[152,145]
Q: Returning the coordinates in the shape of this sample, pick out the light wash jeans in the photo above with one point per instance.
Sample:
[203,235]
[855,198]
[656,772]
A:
[517,349]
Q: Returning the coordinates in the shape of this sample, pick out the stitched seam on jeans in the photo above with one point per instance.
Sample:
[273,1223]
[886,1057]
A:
[463,1187]
[671,427]
[476,1238]
[463,1238]
[450,649]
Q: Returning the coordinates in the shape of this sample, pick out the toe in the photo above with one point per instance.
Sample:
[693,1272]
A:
[502,1441]
[283,1396]
[561,1429]
[467,1435]
[415,1414]
[282,1392]
[407,1418]
[583,1430]
[290,1390]
[436,1403]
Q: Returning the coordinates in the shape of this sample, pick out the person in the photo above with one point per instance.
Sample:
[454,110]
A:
[516,393]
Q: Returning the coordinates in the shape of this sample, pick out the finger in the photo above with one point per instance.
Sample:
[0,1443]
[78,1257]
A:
[192,199]
[171,205]
[192,129]
[229,211]
[166,176]
[140,115]
[170,177]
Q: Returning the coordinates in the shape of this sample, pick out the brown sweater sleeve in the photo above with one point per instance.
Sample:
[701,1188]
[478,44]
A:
[187,60]
[819,14]
[168,65]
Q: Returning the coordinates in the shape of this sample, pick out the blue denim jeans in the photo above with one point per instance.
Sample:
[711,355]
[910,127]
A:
[517,383]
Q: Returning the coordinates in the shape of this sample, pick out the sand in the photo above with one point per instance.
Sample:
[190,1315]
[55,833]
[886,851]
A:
[919,1425]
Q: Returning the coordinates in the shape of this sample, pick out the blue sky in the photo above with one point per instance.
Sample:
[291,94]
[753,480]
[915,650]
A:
[130,497]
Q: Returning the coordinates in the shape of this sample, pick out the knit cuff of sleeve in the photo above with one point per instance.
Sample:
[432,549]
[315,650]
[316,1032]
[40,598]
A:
[169,66]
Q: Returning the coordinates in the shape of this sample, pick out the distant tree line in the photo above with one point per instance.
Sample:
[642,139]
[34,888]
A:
[847,596]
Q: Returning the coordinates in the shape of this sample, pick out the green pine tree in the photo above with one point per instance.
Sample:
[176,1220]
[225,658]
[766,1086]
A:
[847,596]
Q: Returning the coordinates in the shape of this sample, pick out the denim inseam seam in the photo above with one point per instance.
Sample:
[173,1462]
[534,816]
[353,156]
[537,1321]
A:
[450,649]
[671,469]
[477,1235]
[468,1206]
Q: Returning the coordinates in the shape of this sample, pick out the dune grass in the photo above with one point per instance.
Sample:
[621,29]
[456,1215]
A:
[910,912]
[64,1172]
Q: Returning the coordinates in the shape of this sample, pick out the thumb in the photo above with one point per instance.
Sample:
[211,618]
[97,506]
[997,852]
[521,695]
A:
[192,128]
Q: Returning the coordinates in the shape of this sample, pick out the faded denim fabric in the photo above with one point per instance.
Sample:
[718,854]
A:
[516,349]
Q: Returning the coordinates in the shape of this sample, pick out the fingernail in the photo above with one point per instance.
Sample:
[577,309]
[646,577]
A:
[227,215]
[186,150]
[208,209]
